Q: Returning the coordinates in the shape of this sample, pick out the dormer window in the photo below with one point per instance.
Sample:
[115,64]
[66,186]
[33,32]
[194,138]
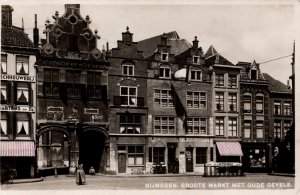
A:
[195,59]
[164,72]
[164,57]
[253,74]
[196,75]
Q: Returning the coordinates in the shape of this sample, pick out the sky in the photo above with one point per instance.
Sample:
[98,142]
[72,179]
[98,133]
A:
[239,31]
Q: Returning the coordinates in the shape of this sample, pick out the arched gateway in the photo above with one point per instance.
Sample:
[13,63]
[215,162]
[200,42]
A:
[62,146]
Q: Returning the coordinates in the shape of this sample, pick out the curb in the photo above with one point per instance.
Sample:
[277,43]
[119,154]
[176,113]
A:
[31,180]
[282,174]
[149,175]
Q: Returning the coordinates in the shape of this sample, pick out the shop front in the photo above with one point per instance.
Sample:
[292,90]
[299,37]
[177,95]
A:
[256,157]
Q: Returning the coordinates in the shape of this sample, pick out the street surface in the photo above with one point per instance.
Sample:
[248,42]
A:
[97,182]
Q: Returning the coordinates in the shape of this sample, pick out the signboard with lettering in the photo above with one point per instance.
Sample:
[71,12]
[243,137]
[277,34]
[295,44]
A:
[91,111]
[17,108]
[223,164]
[24,78]
[55,109]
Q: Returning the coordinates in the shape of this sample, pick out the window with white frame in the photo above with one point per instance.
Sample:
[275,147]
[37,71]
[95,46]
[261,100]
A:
[219,126]
[219,80]
[196,75]
[22,64]
[128,69]
[163,98]
[247,129]
[135,155]
[130,124]
[287,126]
[164,57]
[128,96]
[22,123]
[219,101]
[196,125]
[196,100]
[232,81]
[3,123]
[260,103]
[164,72]
[3,92]
[259,129]
[196,59]
[286,108]
[277,107]
[232,127]
[3,63]
[164,125]
[247,103]
[277,129]
[22,93]
[232,101]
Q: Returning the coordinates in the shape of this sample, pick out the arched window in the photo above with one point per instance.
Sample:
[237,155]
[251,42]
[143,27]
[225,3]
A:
[247,102]
[259,103]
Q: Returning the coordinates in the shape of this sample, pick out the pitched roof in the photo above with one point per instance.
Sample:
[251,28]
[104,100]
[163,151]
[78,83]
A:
[210,52]
[14,36]
[275,85]
[149,46]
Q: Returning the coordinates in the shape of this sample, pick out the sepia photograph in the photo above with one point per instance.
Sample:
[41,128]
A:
[148,95]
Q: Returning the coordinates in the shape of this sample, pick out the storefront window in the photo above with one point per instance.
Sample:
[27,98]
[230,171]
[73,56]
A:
[257,158]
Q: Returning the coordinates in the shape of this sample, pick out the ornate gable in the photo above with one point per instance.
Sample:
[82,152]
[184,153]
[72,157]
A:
[70,36]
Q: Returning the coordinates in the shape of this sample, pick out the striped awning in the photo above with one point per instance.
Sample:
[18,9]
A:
[17,149]
[229,148]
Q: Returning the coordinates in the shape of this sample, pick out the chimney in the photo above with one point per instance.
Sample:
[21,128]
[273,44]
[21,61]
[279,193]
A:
[164,39]
[35,32]
[127,36]
[107,46]
[7,14]
[195,43]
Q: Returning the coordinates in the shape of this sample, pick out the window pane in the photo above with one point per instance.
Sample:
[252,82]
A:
[130,160]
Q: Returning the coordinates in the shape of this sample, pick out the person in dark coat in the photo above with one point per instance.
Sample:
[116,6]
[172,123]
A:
[80,175]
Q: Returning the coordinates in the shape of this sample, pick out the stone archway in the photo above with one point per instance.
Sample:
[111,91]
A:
[92,147]
[53,145]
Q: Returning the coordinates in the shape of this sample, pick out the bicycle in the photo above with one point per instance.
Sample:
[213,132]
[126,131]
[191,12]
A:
[7,177]
[158,169]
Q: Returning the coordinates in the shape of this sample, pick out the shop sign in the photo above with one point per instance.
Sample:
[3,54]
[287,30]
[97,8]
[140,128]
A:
[223,164]
[17,108]
[24,78]
[55,109]
[91,111]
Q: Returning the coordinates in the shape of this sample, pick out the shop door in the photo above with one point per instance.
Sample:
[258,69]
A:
[122,163]
[189,160]
[171,159]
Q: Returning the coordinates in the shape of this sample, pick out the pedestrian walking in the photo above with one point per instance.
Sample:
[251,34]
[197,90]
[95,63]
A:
[80,175]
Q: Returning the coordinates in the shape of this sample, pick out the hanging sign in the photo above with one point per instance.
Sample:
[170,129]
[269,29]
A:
[17,108]
[24,78]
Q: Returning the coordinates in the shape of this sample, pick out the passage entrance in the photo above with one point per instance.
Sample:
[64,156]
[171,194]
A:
[91,147]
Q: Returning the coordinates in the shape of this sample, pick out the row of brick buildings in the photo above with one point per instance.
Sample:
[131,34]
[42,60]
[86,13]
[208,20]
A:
[121,110]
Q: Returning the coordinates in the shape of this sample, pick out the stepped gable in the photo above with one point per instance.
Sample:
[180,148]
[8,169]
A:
[70,36]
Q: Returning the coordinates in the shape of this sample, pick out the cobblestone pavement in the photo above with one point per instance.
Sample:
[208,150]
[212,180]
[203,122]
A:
[251,181]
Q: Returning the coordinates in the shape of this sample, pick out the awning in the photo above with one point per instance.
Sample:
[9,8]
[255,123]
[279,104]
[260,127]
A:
[17,149]
[229,148]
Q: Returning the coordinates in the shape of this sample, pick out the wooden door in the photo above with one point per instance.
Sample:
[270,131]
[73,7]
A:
[122,163]
[189,160]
